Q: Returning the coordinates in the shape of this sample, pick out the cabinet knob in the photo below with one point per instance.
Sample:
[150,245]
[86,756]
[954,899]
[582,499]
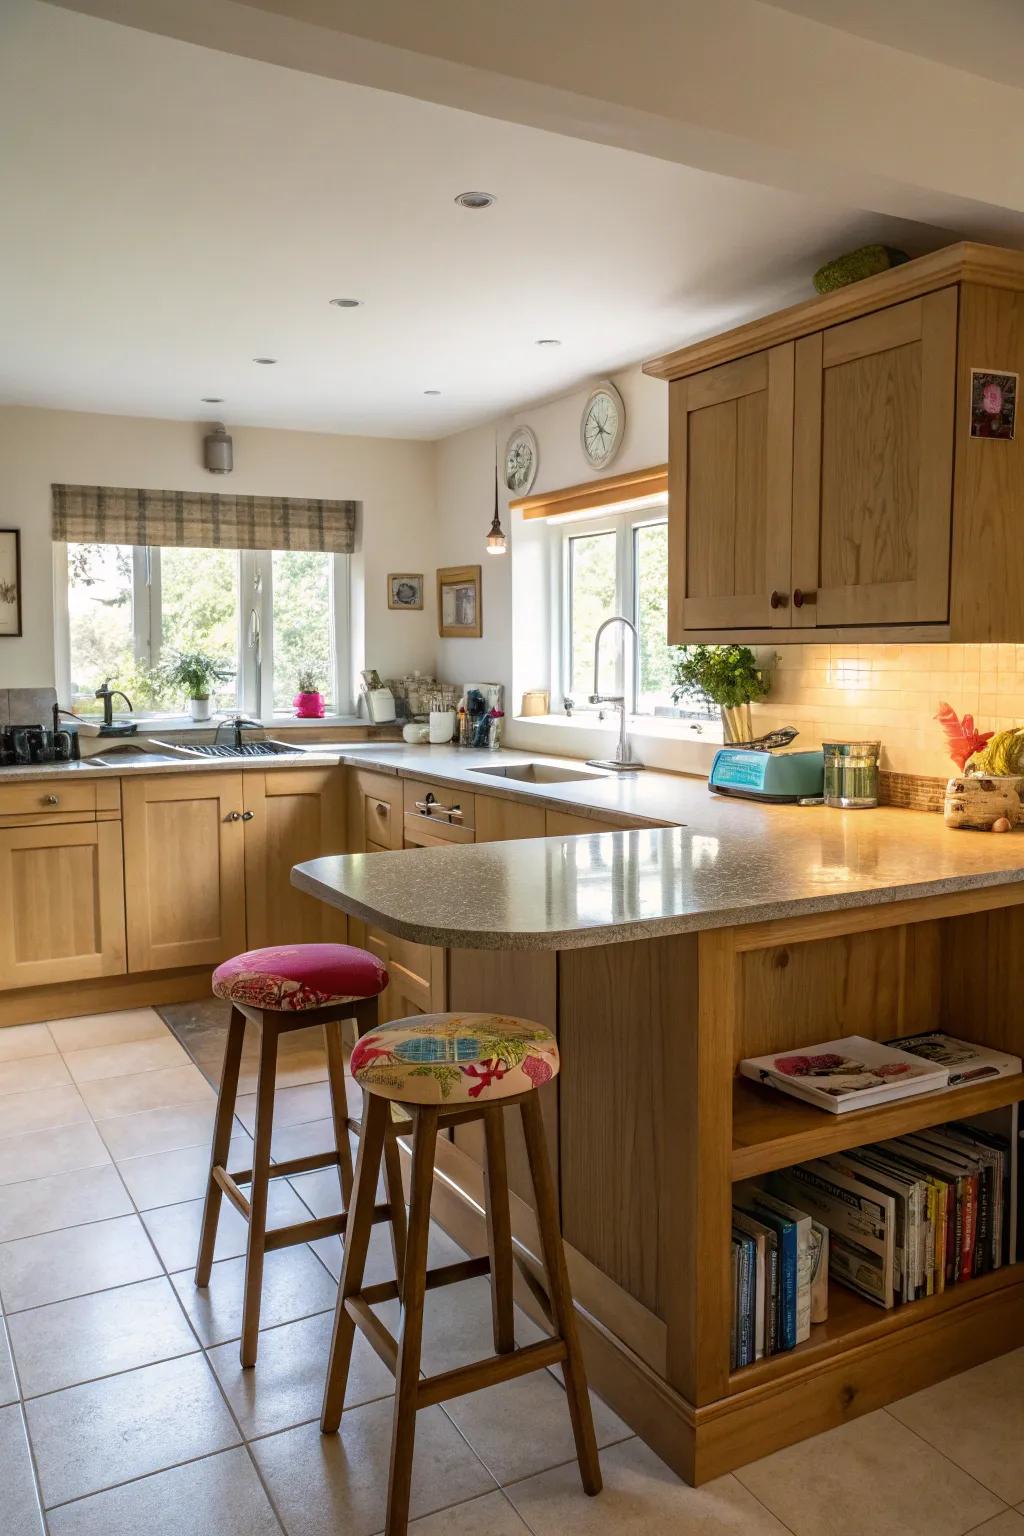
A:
[233,816]
[51,799]
[778,599]
[800,598]
[381,808]
[248,815]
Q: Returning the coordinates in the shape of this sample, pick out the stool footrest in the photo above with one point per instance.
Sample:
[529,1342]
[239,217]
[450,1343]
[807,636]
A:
[228,1183]
[317,1226]
[485,1373]
[444,1274]
[369,1324]
[283,1170]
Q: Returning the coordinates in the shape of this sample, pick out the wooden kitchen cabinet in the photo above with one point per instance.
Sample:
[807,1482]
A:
[295,814]
[62,911]
[416,976]
[501,821]
[184,865]
[827,478]
[565,824]
[374,811]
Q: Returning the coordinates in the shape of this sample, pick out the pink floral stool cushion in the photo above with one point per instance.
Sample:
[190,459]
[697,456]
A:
[291,977]
[455,1058]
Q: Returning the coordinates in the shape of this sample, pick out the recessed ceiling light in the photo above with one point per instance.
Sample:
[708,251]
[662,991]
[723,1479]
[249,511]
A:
[431,391]
[266,361]
[549,341]
[346,303]
[213,400]
[475,199]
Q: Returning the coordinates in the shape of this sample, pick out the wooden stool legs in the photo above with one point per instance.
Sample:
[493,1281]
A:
[257,1236]
[354,1309]
[221,1143]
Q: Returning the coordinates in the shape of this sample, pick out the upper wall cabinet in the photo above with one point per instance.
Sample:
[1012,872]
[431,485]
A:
[825,483]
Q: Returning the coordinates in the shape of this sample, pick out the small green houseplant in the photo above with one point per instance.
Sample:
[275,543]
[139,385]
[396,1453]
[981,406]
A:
[308,702]
[728,675]
[194,673]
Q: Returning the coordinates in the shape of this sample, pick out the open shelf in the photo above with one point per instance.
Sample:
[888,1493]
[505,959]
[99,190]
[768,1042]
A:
[771,1130]
[852,1321]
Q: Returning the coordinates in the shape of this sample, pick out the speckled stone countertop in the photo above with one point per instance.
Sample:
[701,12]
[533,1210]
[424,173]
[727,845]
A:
[734,862]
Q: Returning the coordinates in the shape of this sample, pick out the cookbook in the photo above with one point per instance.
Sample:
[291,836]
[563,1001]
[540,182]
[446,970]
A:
[848,1074]
[965,1061]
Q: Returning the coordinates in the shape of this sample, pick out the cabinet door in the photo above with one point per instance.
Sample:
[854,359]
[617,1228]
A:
[416,975]
[375,810]
[873,467]
[61,903]
[565,824]
[296,814]
[499,821]
[184,869]
[730,495]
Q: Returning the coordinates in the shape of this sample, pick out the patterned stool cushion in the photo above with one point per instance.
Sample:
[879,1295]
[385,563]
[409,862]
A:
[297,976]
[454,1058]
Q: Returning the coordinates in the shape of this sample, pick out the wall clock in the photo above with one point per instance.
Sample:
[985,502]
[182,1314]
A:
[602,425]
[521,458]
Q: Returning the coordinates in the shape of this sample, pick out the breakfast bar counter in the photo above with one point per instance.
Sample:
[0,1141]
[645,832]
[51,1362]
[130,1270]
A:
[662,957]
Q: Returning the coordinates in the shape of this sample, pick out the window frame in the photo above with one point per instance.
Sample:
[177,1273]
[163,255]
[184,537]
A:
[255,679]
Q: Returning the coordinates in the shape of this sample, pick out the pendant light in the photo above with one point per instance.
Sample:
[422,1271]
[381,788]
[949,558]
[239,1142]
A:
[497,544]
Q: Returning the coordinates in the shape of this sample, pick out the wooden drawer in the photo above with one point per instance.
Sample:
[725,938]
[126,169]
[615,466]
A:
[446,798]
[61,796]
[378,810]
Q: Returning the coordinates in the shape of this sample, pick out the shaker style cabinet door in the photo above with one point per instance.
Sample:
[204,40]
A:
[293,815]
[873,467]
[184,869]
[61,903]
[730,495]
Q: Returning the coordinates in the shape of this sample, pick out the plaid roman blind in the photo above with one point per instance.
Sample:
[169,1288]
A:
[107,514]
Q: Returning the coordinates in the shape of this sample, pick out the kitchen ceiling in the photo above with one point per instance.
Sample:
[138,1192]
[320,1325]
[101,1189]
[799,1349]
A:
[172,213]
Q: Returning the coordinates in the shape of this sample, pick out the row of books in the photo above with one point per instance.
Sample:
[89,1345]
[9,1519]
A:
[895,1221]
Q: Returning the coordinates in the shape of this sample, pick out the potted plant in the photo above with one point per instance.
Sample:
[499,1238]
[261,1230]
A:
[728,675]
[193,672]
[309,701]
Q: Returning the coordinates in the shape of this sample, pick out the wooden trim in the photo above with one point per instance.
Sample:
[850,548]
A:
[915,909]
[594,494]
[960,263]
[33,1005]
[832,634]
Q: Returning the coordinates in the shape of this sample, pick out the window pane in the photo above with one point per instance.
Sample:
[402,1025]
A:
[303,624]
[650,565]
[199,612]
[591,600]
[101,620]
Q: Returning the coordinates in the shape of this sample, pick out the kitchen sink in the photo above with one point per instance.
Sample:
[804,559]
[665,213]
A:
[537,773]
[259,748]
[128,757]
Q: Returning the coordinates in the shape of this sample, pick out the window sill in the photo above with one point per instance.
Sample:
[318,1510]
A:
[704,732]
[182,725]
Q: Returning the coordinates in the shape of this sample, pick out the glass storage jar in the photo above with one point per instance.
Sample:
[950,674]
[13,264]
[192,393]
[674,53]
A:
[851,773]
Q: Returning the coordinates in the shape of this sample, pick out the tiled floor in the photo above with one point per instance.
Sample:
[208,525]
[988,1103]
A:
[123,1407]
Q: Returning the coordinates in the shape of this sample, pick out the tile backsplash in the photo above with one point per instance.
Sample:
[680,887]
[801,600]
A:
[891,693]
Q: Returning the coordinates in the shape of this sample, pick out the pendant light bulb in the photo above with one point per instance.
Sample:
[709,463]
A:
[497,544]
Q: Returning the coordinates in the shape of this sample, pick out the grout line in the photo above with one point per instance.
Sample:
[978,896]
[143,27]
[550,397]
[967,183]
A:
[37,1482]
[945,1456]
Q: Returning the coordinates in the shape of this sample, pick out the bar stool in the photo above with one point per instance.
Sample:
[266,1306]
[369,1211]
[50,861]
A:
[445,1069]
[280,989]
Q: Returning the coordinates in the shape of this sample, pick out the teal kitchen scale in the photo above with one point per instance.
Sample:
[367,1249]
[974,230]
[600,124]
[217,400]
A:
[758,771]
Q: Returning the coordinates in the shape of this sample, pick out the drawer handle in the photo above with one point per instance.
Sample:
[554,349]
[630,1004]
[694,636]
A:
[800,598]
[233,816]
[51,799]
[248,815]
[432,807]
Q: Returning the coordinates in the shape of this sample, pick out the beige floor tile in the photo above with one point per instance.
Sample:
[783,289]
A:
[871,1477]
[98,1061]
[90,1437]
[977,1420]
[303,1140]
[490,1515]
[1010,1523]
[295,1284]
[521,1427]
[41,1154]
[324,1484]
[287,1386]
[168,1178]
[218,1496]
[21,1040]
[380,1259]
[98,1335]
[641,1497]
[95,1029]
[457,1318]
[109,1097]
[292,1106]
[56,1265]
[21,1514]
[44,1109]
[8,1381]
[62,1200]
[32,1073]
[175,1228]
[158,1130]
[294,1068]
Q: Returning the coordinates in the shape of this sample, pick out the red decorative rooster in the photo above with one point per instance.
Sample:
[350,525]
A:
[963,739]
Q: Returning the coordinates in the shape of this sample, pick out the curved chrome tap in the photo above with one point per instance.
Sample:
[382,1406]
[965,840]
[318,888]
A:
[623,758]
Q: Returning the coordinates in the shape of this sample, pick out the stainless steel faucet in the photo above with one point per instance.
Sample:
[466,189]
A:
[238,722]
[623,761]
[108,695]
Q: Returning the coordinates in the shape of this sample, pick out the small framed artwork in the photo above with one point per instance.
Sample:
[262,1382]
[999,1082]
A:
[993,403]
[459,607]
[405,590]
[10,582]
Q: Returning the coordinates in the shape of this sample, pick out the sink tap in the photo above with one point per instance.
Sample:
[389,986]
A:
[623,758]
[108,695]
[239,723]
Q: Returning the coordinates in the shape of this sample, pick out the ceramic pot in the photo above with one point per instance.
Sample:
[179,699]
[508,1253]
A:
[309,706]
[978,801]
[200,709]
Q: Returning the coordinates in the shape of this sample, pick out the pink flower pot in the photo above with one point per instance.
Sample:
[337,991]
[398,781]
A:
[309,706]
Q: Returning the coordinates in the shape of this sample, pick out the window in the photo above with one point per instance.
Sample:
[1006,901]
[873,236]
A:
[263,615]
[616,564]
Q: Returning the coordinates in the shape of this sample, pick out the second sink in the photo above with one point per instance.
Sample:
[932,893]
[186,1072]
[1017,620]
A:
[537,773]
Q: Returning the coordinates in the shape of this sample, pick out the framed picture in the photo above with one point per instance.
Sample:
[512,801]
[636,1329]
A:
[405,590]
[10,582]
[459,608]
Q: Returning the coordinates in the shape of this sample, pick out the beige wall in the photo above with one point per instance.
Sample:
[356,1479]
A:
[393,479]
